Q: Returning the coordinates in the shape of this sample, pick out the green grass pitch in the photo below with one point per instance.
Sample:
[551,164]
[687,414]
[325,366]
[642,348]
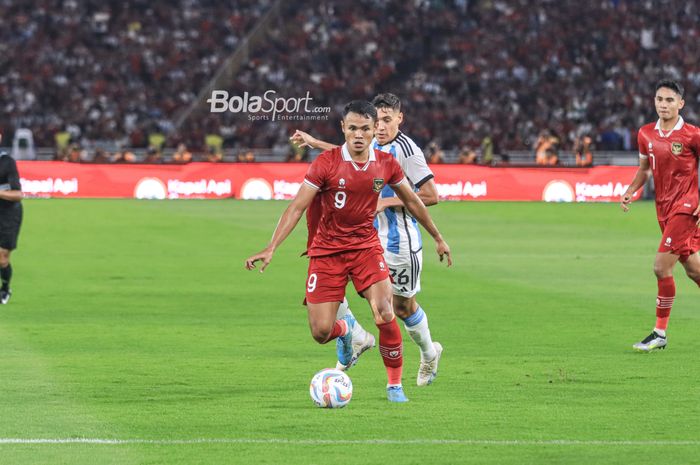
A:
[135,320]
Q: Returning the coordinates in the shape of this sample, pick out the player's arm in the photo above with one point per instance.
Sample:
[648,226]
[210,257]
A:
[420,212]
[640,178]
[304,139]
[12,190]
[427,192]
[285,226]
[11,195]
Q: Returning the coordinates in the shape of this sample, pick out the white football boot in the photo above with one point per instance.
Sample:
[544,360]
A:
[428,370]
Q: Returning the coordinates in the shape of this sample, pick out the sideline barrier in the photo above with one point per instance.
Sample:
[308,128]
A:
[282,180]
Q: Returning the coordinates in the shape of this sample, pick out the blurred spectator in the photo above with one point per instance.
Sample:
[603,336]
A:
[62,139]
[181,155]
[434,154]
[246,157]
[487,151]
[124,156]
[545,148]
[61,155]
[551,157]
[297,154]
[153,155]
[214,142]
[214,155]
[583,149]
[611,140]
[76,154]
[467,156]
[101,156]
[156,140]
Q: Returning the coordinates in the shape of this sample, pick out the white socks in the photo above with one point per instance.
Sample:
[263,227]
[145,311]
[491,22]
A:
[417,327]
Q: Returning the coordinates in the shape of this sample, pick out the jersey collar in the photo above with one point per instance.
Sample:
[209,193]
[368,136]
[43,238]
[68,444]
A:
[375,142]
[347,157]
[677,127]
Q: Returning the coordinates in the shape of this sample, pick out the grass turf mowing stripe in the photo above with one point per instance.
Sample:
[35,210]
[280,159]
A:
[465,442]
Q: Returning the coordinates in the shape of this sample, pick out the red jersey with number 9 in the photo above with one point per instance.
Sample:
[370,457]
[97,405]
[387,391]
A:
[341,219]
[673,157]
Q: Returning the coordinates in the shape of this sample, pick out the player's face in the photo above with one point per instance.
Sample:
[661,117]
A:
[388,125]
[668,103]
[359,132]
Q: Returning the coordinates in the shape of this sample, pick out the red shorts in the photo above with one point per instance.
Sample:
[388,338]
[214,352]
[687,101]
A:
[681,236]
[328,276]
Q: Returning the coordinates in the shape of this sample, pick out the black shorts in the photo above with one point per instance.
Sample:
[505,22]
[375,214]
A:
[10,222]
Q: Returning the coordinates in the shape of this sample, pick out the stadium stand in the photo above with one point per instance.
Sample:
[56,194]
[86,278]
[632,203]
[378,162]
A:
[466,70]
[112,72]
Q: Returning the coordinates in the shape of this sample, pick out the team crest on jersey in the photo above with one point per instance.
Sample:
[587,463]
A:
[378,184]
[341,183]
[676,148]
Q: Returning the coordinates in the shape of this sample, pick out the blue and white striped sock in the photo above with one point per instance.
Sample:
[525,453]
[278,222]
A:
[417,327]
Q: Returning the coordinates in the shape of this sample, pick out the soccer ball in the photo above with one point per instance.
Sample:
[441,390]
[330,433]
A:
[331,388]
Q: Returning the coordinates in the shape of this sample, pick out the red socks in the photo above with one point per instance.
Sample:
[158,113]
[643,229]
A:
[340,328]
[664,301]
[391,349]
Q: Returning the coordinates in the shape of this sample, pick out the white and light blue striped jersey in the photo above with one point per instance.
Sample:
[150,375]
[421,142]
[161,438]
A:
[397,228]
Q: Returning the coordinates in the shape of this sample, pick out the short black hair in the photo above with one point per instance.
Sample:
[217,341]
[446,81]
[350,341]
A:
[361,107]
[670,84]
[387,100]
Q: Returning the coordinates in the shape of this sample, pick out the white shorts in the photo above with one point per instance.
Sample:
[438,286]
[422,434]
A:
[405,271]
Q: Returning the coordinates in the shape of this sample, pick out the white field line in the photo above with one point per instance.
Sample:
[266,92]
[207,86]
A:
[459,442]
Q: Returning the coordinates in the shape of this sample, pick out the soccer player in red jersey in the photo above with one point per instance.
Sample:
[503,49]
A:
[398,234]
[669,150]
[348,180]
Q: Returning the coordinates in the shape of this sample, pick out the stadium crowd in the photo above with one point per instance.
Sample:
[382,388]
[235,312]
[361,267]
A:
[105,71]
[484,75]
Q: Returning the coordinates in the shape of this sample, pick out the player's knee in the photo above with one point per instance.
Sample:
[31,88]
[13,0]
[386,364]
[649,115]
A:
[386,312]
[383,310]
[403,308]
[661,271]
[320,335]
[4,259]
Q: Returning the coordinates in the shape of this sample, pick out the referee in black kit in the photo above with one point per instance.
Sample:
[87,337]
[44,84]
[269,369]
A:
[10,219]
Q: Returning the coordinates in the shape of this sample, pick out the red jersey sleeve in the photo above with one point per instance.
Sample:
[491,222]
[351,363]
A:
[642,144]
[396,175]
[318,172]
[696,142]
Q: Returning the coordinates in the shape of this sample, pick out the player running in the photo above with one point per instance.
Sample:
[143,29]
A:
[10,219]
[348,180]
[668,150]
[399,235]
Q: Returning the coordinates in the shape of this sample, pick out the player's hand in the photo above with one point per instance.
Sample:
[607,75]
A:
[625,201]
[264,256]
[303,139]
[443,251]
[381,205]
[696,214]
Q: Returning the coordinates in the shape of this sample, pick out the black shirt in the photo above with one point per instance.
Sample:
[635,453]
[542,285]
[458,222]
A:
[9,178]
